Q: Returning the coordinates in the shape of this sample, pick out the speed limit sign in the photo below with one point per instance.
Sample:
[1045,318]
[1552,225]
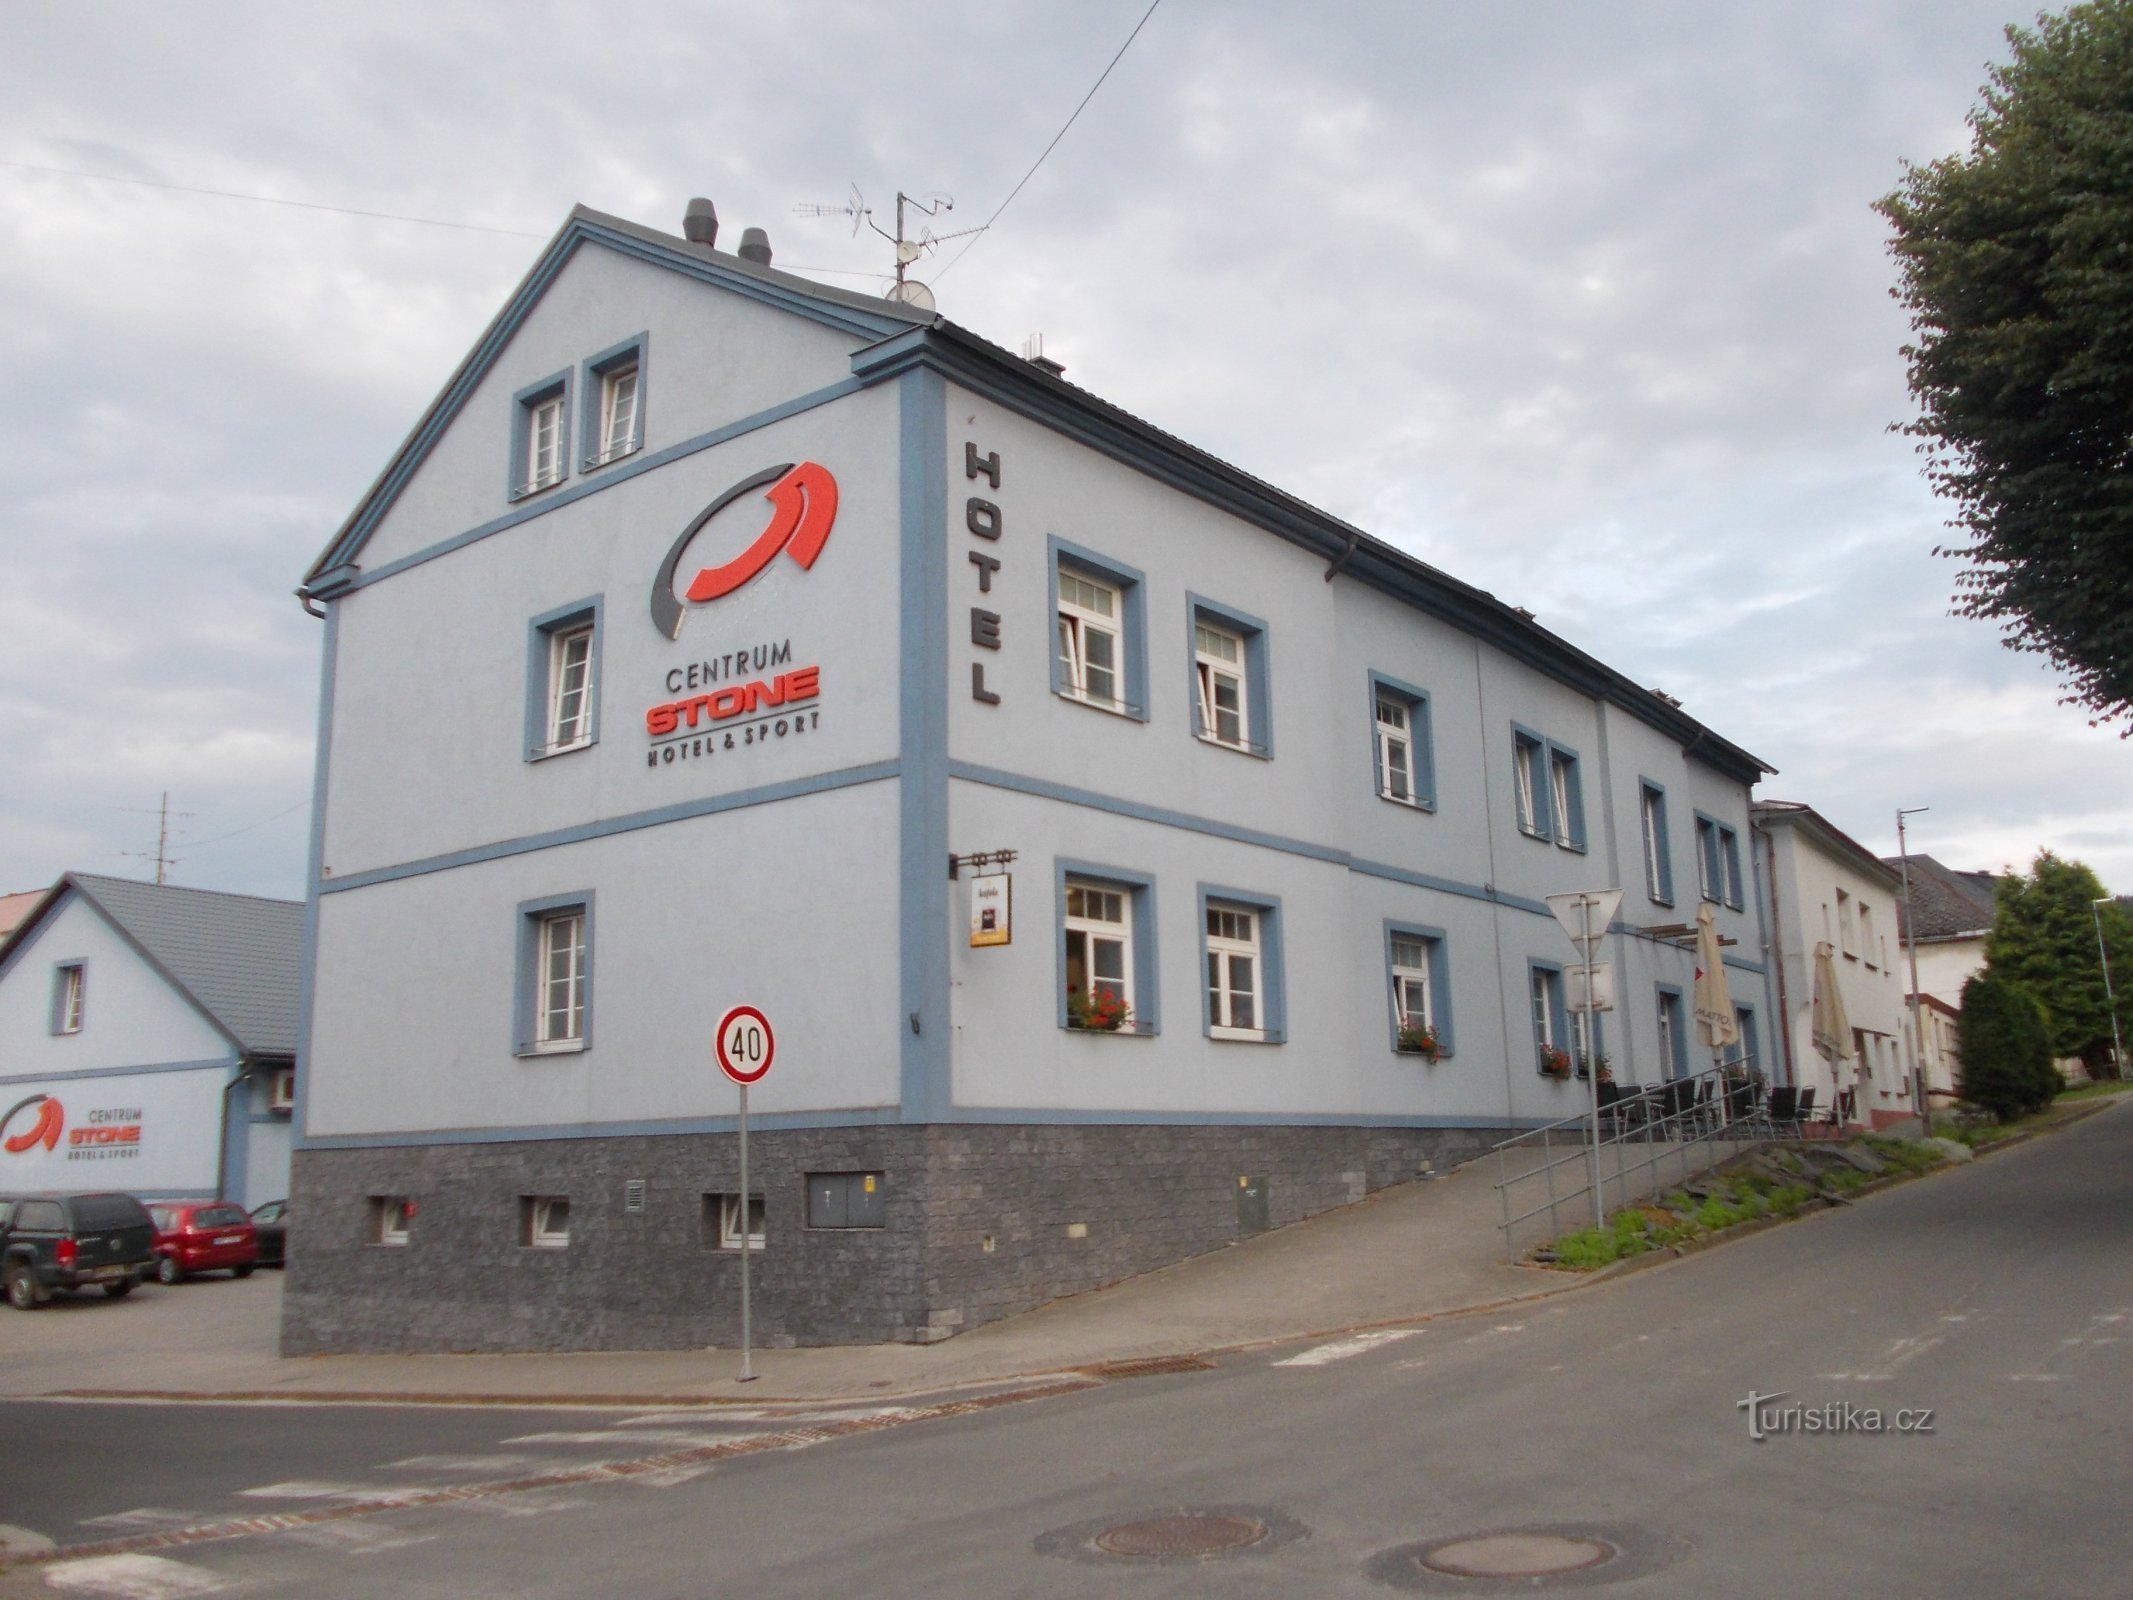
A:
[745,1045]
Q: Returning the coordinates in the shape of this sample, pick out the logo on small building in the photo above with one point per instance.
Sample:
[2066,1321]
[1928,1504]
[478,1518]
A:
[44,1129]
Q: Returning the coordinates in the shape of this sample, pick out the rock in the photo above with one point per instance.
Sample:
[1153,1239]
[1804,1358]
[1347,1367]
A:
[1863,1159]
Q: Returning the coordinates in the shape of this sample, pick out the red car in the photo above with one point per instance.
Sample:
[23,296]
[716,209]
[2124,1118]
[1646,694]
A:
[202,1236]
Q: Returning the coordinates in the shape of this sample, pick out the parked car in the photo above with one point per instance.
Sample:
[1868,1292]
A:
[202,1236]
[59,1243]
[271,1223]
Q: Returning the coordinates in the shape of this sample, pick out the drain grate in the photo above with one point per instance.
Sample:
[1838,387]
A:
[1148,1367]
[1529,1560]
[1187,1534]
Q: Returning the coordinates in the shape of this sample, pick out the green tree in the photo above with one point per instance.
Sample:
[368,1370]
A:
[2016,266]
[2007,1058]
[2044,928]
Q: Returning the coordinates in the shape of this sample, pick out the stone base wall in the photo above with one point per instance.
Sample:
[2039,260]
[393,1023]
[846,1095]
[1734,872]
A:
[979,1222]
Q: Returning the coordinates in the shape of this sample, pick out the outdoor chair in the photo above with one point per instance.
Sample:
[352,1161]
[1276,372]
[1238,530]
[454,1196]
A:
[1784,1107]
[1803,1112]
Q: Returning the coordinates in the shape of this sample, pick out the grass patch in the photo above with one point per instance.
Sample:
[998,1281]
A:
[2089,1091]
[1913,1155]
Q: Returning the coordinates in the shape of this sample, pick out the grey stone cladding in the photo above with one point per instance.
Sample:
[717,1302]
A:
[979,1222]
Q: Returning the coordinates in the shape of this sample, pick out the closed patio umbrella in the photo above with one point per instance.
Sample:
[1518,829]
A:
[1715,1021]
[1832,1028]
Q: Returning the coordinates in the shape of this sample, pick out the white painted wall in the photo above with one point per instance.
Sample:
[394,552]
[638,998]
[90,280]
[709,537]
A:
[132,1018]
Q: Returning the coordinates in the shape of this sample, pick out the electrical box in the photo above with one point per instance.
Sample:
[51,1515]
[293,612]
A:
[1251,1205]
[847,1200]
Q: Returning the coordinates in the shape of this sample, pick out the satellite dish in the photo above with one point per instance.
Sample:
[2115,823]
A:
[908,251]
[911,292]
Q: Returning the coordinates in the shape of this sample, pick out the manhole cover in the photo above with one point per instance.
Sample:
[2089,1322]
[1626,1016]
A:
[1185,1535]
[1517,1555]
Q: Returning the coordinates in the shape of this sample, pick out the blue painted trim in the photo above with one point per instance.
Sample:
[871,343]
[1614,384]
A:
[1709,886]
[217,1064]
[1258,671]
[1648,786]
[564,494]
[540,642]
[1139,889]
[1558,1011]
[1272,996]
[268,1119]
[1044,788]
[680,811]
[1729,861]
[927,1063]
[1530,750]
[556,386]
[1749,1048]
[1437,949]
[1132,587]
[527,975]
[1669,1002]
[314,860]
[593,386]
[1569,831]
[1743,964]
[1421,740]
[236,1142]
[56,1014]
[758,1121]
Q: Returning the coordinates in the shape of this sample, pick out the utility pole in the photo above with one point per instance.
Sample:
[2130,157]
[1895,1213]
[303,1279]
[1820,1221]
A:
[2110,996]
[162,836]
[1922,1105]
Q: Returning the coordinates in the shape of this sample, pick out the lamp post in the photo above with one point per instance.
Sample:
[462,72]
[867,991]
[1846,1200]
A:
[2110,998]
[1910,944]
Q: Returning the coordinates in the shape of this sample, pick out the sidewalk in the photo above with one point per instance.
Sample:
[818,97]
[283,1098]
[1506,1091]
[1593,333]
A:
[1416,1251]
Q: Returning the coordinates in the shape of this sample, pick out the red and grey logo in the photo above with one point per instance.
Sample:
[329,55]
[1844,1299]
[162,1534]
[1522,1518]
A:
[803,500]
[44,1128]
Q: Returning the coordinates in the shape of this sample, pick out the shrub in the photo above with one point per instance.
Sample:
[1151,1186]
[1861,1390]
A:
[2006,1049]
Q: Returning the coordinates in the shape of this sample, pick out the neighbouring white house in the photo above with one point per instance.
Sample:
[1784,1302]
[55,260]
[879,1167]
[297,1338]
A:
[1950,920]
[148,1042]
[1834,922]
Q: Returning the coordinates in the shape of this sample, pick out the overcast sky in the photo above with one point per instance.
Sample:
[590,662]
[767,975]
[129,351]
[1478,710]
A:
[1582,302]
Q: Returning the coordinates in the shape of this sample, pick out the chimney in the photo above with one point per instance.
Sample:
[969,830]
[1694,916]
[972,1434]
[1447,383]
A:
[1033,353]
[755,246]
[699,224]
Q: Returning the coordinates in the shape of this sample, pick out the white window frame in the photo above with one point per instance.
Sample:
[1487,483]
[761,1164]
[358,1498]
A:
[1092,929]
[1396,733]
[1729,867]
[1658,867]
[545,442]
[1212,669]
[620,387]
[1845,941]
[1233,934]
[73,1007]
[1076,624]
[392,1218]
[1410,979]
[729,1213]
[1563,798]
[1707,862]
[546,1220]
[1866,932]
[569,728]
[554,926]
[1529,752]
[281,1089]
[1540,995]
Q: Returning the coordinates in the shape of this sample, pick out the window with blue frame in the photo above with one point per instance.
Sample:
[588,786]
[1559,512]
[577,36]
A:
[613,425]
[554,985]
[1566,797]
[1240,951]
[540,436]
[1107,949]
[563,680]
[1658,862]
[1400,742]
[1420,968]
[1232,703]
[1100,630]
[1529,780]
[1552,1038]
[1673,1040]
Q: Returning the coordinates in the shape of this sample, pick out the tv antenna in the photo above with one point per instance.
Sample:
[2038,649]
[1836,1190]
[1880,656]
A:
[909,251]
[163,859]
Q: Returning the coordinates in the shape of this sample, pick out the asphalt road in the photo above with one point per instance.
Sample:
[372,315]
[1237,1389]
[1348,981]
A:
[1998,1297]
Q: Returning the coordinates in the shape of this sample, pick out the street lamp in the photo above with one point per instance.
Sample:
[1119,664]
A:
[2109,998]
[1910,943]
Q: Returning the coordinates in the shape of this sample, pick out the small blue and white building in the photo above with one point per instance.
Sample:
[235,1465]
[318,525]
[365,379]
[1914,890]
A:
[148,1042]
[719,638]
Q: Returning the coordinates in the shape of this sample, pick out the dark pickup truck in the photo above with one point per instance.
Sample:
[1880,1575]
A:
[64,1242]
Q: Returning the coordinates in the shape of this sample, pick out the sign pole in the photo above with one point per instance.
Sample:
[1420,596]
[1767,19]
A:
[747,1241]
[1592,1062]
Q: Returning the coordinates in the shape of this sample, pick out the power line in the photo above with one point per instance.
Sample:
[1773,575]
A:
[202,844]
[1061,134]
[269,200]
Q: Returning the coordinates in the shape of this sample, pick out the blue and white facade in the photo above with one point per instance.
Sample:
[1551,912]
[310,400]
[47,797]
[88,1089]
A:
[147,1041]
[706,616]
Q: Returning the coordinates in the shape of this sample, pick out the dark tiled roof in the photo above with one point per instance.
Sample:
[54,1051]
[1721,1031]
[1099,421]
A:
[1947,904]
[240,958]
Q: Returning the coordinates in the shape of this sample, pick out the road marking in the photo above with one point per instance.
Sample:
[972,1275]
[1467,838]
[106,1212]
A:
[1900,1353]
[130,1577]
[498,1464]
[326,1491]
[356,1538]
[1342,1349]
[670,1477]
[145,1517]
[678,1436]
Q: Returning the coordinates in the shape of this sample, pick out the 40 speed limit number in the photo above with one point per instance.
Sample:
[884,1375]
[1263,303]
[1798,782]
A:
[745,1045]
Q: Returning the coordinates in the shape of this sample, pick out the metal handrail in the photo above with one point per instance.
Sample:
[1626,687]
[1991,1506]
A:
[1676,1117]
